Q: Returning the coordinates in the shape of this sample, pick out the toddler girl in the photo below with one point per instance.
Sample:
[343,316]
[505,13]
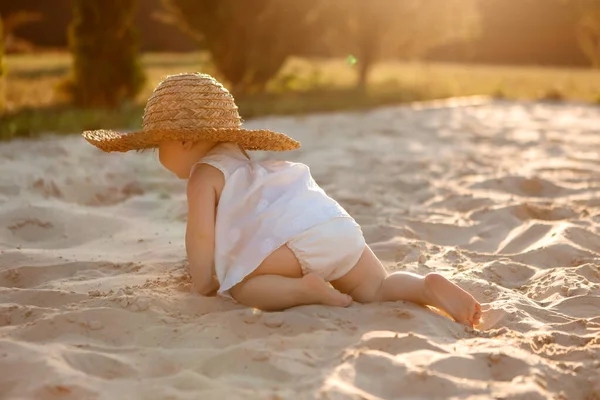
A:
[264,233]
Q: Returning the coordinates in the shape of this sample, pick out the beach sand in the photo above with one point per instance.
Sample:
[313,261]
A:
[501,197]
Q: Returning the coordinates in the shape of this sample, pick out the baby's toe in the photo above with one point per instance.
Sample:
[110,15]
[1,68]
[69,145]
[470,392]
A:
[348,301]
[476,314]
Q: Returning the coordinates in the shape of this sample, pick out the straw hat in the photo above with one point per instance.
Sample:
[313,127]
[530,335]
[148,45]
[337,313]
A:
[190,107]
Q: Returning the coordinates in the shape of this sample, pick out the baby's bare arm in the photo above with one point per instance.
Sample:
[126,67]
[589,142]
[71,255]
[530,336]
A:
[200,231]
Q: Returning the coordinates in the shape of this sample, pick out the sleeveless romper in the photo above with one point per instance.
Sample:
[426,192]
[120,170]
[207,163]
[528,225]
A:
[265,205]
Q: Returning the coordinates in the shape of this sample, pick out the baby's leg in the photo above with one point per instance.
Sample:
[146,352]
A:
[368,282]
[276,292]
[278,284]
[432,290]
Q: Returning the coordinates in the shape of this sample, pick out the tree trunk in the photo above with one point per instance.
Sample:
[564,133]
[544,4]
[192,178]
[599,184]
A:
[106,67]
[2,68]
[364,67]
[367,53]
[589,42]
[368,37]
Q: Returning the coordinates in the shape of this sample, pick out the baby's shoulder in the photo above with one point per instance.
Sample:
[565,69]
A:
[206,170]
[205,176]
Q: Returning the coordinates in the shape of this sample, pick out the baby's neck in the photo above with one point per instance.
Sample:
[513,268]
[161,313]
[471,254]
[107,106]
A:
[203,148]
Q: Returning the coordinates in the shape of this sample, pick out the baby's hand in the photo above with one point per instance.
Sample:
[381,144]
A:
[209,290]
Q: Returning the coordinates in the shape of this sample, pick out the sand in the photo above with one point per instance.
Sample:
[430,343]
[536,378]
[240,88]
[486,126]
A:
[501,197]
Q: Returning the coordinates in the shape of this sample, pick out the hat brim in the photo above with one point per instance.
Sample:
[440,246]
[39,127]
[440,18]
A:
[260,139]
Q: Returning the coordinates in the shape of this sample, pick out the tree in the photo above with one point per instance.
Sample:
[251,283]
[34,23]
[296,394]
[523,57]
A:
[106,68]
[249,41]
[2,66]
[378,29]
[588,30]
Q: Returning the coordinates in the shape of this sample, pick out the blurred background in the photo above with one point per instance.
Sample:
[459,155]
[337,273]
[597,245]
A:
[70,65]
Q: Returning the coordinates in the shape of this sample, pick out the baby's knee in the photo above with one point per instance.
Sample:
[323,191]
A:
[367,292]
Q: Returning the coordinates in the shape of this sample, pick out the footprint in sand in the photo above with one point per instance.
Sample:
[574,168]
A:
[46,276]
[247,363]
[52,228]
[397,343]
[522,186]
[486,366]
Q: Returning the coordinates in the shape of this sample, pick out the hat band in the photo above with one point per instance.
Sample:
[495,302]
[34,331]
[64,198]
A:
[191,124]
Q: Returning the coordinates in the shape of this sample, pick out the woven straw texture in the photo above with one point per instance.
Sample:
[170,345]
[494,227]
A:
[190,107]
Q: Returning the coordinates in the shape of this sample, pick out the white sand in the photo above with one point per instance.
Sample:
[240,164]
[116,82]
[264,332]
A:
[502,198]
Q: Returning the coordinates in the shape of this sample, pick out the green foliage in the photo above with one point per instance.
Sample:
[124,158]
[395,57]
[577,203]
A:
[249,41]
[106,68]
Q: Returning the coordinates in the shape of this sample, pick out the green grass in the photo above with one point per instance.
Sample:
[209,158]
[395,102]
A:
[33,105]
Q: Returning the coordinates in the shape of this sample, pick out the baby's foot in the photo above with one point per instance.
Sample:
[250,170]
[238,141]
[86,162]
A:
[323,292]
[448,297]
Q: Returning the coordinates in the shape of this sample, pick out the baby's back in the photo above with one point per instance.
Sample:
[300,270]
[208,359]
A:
[261,206]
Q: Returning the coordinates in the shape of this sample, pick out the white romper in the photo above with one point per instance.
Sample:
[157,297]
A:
[267,204]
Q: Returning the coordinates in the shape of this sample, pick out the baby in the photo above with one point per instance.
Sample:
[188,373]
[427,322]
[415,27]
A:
[264,233]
